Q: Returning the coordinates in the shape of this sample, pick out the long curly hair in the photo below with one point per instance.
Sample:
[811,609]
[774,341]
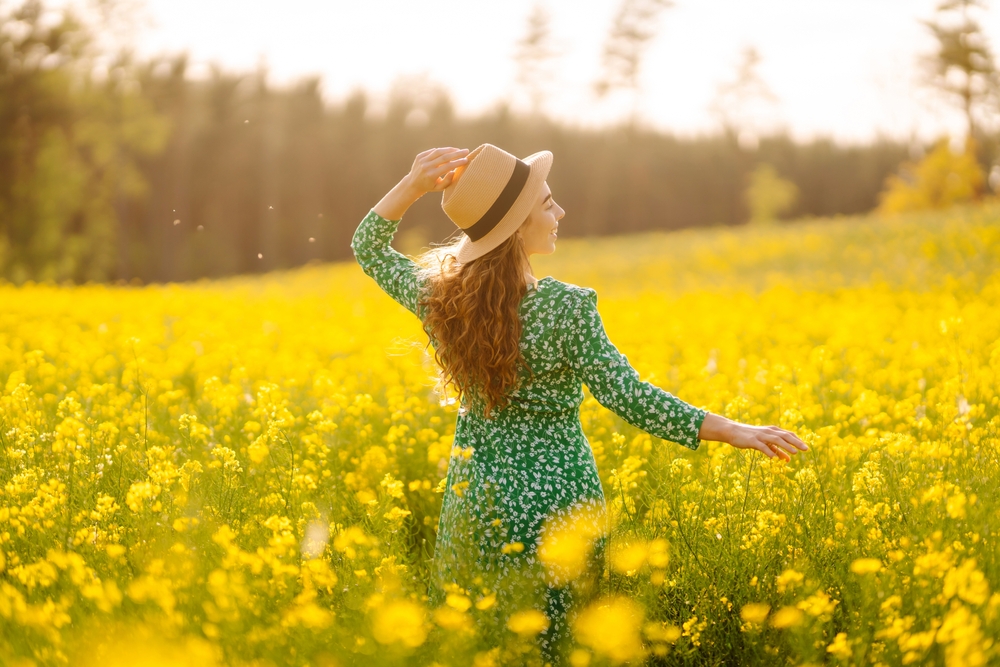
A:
[471,315]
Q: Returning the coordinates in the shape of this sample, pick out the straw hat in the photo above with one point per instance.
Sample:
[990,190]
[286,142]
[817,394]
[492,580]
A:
[491,196]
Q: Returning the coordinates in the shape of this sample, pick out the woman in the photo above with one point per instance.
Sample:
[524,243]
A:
[518,350]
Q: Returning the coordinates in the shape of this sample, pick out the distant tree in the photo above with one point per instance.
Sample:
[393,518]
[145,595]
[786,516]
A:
[942,178]
[115,24]
[68,145]
[769,196]
[634,26]
[963,65]
[745,106]
[533,54]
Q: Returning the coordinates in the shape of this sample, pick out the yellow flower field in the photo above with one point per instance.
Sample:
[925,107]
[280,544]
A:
[248,471]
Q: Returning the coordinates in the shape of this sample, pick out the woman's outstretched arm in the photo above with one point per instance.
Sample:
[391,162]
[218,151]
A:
[616,386]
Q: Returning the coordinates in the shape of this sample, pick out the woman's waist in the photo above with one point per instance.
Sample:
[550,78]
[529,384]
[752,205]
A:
[519,411]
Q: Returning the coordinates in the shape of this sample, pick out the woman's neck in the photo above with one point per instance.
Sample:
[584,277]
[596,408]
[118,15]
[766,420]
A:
[529,276]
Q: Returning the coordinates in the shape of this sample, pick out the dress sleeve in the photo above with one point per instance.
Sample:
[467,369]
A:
[393,271]
[616,385]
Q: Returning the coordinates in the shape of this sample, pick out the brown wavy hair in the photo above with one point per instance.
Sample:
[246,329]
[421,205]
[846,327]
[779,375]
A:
[471,314]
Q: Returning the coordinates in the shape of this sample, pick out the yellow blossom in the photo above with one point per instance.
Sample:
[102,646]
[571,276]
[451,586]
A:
[400,621]
[630,557]
[840,648]
[567,542]
[611,628]
[512,548]
[786,617]
[528,623]
[755,612]
[866,565]
[788,580]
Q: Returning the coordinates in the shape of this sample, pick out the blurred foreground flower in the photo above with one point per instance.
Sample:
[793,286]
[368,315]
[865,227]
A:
[400,621]
[866,565]
[528,623]
[840,647]
[631,556]
[316,538]
[786,617]
[143,646]
[611,628]
[755,612]
[567,542]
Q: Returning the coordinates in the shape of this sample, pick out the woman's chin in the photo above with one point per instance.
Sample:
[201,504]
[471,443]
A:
[546,249]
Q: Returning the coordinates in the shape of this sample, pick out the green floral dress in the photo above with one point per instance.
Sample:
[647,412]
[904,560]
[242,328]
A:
[529,467]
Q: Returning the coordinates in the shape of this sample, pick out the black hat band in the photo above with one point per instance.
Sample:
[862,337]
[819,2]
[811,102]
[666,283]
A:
[502,205]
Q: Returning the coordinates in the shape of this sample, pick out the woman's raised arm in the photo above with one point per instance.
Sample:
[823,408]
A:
[432,171]
[395,273]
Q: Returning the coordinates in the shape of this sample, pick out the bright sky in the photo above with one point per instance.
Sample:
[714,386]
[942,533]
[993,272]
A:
[841,68]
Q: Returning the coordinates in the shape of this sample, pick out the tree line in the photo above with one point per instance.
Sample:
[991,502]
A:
[141,171]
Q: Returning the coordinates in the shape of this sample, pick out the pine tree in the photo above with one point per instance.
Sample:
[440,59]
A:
[962,66]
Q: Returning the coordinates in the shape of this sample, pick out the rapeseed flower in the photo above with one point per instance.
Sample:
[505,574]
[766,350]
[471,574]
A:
[611,628]
[251,470]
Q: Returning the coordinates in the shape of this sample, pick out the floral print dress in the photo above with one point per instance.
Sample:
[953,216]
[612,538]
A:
[529,467]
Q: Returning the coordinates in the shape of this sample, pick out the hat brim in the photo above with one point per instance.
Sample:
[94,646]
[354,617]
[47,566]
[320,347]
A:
[539,163]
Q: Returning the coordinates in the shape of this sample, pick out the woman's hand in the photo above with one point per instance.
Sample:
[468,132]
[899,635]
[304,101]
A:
[433,170]
[769,440]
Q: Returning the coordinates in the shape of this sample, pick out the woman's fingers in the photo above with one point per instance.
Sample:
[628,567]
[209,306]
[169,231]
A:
[783,444]
[795,441]
[445,181]
[445,167]
[427,154]
[772,441]
[446,163]
[787,440]
[422,154]
[779,452]
[442,182]
[430,167]
[784,453]
[764,449]
[440,155]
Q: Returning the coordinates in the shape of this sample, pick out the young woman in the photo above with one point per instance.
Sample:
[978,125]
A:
[518,350]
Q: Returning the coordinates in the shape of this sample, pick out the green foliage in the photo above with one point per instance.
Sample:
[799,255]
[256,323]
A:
[769,196]
[68,150]
[941,179]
